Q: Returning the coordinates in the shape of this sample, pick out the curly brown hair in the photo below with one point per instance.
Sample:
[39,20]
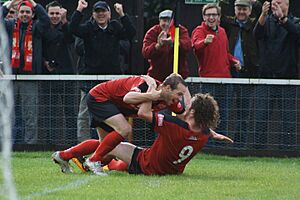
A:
[206,110]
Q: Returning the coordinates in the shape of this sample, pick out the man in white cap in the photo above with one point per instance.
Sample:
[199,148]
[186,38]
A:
[158,47]
[239,30]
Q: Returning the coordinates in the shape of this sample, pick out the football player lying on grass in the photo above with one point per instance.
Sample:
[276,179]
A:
[177,143]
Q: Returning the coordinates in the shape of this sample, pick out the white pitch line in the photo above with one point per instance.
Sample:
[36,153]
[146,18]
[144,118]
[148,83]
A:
[72,185]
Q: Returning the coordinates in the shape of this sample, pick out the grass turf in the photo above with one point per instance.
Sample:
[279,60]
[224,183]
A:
[205,177]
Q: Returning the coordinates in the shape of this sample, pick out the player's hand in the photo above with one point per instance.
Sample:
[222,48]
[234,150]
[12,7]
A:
[218,136]
[82,4]
[209,39]
[226,139]
[119,9]
[150,81]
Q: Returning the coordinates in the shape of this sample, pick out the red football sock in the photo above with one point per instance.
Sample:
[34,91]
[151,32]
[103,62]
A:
[119,165]
[107,145]
[82,149]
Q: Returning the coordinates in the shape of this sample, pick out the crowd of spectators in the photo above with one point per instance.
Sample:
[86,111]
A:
[260,40]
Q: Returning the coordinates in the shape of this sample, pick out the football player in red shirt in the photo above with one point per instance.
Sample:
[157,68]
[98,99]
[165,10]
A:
[109,103]
[178,140]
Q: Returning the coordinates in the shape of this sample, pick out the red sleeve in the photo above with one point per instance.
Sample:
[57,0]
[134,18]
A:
[149,43]
[231,58]
[198,37]
[184,40]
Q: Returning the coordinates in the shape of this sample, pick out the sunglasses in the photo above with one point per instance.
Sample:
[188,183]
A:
[12,12]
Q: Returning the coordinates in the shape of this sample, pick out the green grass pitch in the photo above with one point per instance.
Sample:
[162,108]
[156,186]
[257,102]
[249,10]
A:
[205,177]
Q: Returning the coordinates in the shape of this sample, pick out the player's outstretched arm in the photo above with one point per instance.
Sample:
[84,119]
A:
[218,136]
[137,97]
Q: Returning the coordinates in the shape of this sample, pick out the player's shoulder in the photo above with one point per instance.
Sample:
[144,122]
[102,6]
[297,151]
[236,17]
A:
[126,79]
[162,117]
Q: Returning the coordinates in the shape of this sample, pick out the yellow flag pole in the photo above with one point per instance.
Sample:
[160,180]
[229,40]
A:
[176,50]
[176,40]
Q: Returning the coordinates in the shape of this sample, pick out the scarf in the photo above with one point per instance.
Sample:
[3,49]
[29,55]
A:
[27,47]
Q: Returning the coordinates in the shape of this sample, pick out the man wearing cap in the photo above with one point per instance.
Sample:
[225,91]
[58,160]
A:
[101,36]
[158,48]
[243,46]
[228,7]
[26,58]
[239,30]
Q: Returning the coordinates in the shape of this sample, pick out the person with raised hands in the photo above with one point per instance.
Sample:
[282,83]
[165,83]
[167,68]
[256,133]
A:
[101,36]
[278,34]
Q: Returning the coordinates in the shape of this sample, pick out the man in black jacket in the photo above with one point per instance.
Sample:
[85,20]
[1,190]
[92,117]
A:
[57,44]
[278,33]
[101,36]
[99,48]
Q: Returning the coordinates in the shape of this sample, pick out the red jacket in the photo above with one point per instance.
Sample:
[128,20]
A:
[214,59]
[161,61]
